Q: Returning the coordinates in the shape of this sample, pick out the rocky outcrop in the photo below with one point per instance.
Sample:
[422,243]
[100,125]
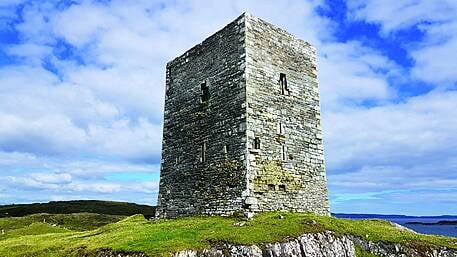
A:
[316,245]
[383,249]
[325,244]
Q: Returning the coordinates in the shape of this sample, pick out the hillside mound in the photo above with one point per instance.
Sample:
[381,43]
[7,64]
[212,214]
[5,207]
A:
[137,236]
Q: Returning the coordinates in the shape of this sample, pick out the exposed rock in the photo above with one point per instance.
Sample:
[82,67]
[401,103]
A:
[325,244]
[384,249]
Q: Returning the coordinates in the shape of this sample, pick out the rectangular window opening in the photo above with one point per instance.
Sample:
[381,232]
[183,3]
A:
[282,188]
[283,84]
[204,92]
[225,149]
[271,187]
[283,152]
[203,152]
[256,143]
[281,128]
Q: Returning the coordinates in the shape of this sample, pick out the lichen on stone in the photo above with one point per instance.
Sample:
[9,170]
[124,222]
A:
[272,173]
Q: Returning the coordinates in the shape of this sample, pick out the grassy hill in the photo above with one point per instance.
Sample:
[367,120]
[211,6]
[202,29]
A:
[66,207]
[29,236]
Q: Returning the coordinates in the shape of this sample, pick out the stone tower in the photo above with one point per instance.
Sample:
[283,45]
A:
[242,130]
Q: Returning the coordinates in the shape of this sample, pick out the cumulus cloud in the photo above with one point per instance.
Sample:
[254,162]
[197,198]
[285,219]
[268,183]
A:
[435,53]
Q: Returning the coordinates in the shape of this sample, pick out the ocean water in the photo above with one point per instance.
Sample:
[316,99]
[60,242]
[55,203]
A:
[444,230]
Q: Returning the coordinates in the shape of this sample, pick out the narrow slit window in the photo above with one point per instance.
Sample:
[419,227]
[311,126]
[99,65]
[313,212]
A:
[204,92]
[283,84]
[281,128]
[225,149]
[283,152]
[256,143]
[203,152]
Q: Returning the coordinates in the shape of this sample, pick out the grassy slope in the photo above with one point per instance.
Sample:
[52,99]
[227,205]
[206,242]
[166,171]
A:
[74,221]
[162,237]
[66,207]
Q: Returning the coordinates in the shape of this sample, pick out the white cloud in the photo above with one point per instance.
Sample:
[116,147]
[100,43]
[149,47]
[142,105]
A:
[395,15]
[350,72]
[419,129]
[435,61]
[434,56]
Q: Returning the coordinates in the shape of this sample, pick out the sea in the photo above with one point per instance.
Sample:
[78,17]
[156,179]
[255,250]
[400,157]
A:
[444,230]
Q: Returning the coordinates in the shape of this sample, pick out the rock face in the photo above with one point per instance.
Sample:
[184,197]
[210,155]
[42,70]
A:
[325,244]
[308,245]
[383,249]
[242,129]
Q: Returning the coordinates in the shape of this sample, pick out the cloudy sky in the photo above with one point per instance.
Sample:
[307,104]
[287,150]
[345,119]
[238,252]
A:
[82,85]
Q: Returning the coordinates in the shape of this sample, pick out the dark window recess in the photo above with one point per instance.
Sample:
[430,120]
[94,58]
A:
[204,92]
[256,143]
[271,187]
[282,187]
[283,84]
[281,129]
[283,152]
[231,186]
[203,152]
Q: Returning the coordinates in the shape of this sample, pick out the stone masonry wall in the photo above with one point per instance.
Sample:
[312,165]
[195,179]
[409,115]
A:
[288,171]
[262,140]
[188,184]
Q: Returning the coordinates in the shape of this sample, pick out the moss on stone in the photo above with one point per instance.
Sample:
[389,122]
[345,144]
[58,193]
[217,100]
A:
[272,173]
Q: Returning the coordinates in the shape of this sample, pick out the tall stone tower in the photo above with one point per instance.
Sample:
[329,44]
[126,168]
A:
[242,130]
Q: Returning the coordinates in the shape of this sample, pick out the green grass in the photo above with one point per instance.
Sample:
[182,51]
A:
[359,252]
[74,221]
[159,238]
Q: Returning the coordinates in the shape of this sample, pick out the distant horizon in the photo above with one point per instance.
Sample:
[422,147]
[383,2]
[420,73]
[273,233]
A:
[332,213]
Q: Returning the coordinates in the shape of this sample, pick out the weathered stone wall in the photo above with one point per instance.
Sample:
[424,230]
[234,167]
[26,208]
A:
[241,66]
[288,171]
[188,184]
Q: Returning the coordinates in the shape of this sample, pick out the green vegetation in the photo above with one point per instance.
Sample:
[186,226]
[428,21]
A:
[160,237]
[359,252]
[66,207]
[74,221]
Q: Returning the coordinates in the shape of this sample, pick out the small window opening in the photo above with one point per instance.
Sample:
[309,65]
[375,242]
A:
[282,188]
[225,149]
[177,160]
[283,84]
[204,92]
[283,152]
[281,128]
[203,152]
[256,143]
[271,187]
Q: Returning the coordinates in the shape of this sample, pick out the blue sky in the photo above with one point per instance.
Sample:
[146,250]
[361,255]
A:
[81,96]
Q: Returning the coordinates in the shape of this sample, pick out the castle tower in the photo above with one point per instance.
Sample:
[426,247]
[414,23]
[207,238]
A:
[242,128]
